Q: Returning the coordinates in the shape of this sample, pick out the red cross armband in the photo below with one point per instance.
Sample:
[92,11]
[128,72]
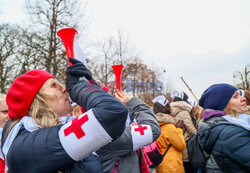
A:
[141,136]
[83,135]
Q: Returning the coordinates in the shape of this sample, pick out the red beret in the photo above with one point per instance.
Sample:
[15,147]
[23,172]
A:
[23,90]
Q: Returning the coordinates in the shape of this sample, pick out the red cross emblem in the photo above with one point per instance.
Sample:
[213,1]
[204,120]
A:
[75,127]
[141,129]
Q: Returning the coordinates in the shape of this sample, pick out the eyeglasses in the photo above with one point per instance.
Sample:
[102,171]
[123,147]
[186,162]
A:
[53,84]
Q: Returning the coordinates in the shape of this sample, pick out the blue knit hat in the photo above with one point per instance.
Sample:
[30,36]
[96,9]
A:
[217,96]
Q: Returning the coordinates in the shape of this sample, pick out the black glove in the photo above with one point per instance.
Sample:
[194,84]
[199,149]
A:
[76,71]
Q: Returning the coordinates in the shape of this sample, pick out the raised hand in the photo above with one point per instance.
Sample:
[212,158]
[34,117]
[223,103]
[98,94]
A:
[122,97]
[76,71]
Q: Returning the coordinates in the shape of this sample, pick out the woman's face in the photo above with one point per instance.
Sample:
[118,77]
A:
[238,103]
[56,96]
[3,113]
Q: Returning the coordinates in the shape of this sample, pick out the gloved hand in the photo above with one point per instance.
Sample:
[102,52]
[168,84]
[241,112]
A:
[180,124]
[76,71]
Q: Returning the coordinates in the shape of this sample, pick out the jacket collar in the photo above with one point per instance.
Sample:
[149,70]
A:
[208,113]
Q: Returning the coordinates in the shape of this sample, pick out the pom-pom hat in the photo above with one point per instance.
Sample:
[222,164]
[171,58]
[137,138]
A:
[23,90]
[217,96]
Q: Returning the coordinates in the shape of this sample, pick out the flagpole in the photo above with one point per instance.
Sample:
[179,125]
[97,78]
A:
[189,89]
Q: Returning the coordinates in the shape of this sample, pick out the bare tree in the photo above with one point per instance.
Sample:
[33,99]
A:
[105,58]
[122,46]
[161,73]
[168,87]
[27,55]
[47,18]
[142,81]
[9,42]
[111,51]
[137,77]
[242,79]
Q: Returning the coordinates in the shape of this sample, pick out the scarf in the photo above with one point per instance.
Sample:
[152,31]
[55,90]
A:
[29,125]
[243,120]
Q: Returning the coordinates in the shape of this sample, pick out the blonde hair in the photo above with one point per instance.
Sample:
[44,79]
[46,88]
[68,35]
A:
[41,112]
[247,96]
[231,112]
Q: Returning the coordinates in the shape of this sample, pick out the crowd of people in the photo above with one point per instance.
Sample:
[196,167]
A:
[42,131]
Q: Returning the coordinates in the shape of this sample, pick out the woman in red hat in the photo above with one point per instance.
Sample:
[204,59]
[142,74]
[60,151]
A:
[39,138]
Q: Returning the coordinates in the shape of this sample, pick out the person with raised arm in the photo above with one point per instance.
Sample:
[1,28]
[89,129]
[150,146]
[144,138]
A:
[124,154]
[37,139]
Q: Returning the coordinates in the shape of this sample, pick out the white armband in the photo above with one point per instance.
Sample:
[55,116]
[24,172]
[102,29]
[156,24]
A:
[83,135]
[141,136]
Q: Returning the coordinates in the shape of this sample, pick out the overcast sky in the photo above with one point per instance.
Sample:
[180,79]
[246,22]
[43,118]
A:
[204,41]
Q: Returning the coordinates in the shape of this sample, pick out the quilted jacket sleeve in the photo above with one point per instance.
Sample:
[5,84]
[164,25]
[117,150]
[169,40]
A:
[125,143]
[237,146]
[110,112]
[131,139]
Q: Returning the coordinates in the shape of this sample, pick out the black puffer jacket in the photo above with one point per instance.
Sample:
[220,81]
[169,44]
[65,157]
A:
[43,151]
[229,144]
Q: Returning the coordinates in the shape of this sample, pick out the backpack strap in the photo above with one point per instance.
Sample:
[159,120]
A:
[117,163]
[212,125]
[214,121]
[166,151]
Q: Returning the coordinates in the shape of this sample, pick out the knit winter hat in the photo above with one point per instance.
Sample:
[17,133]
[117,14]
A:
[217,96]
[23,90]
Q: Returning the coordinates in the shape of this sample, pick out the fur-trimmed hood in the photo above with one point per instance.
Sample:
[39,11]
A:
[179,106]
